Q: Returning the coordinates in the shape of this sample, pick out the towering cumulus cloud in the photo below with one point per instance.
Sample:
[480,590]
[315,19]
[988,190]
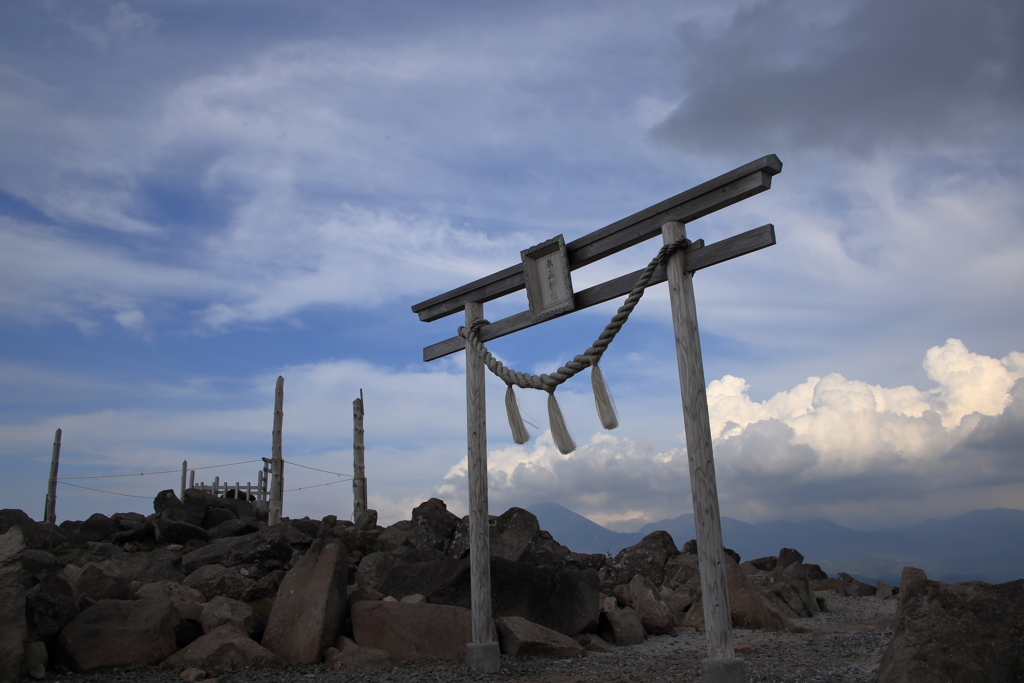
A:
[833,448]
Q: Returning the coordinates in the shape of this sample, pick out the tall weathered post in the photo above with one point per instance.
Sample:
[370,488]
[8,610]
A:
[50,511]
[276,461]
[722,663]
[359,503]
[551,261]
[483,654]
[184,476]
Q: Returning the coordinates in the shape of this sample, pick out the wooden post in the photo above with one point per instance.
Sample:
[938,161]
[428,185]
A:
[359,503]
[192,479]
[710,553]
[483,654]
[216,484]
[184,474]
[276,461]
[50,511]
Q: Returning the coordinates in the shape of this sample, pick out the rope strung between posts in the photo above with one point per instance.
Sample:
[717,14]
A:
[589,358]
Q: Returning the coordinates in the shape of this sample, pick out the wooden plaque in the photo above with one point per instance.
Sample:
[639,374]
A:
[548,282]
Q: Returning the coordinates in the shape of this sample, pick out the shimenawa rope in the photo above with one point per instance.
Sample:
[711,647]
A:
[589,358]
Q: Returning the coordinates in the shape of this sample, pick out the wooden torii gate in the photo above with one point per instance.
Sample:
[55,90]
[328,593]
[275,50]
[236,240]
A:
[667,218]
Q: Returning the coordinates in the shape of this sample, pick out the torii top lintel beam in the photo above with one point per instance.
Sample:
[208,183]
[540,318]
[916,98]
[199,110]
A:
[706,198]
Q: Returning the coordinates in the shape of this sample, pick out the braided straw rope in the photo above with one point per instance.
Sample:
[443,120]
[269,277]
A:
[589,357]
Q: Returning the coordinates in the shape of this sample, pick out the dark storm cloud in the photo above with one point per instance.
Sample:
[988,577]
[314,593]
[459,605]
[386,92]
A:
[905,75]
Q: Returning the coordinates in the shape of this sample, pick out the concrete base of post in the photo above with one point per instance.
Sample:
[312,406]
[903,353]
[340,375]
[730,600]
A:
[723,670]
[484,658]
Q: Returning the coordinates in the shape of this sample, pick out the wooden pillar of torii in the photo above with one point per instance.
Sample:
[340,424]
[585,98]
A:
[667,218]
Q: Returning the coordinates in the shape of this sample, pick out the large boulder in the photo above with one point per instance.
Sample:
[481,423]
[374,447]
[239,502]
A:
[310,604]
[101,581]
[169,590]
[647,558]
[12,604]
[119,633]
[966,632]
[746,607]
[375,566]
[262,595]
[655,614]
[512,535]
[518,636]
[49,606]
[622,627]
[166,531]
[267,550]
[98,527]
[38,535]
[411,631]
[564,600]
[214,579]
[166,500]
[224,649]
[432,525]
[221,610]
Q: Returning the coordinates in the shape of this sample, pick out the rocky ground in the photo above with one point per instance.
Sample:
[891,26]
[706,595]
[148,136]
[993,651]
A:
[844,645]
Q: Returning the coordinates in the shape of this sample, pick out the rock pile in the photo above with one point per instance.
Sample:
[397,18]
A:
[203,584]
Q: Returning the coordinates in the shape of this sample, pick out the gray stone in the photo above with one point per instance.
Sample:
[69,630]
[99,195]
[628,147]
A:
[49,606]
[167,531]
[119,633]
[655,614]
[97,527]
[102,581]
[375,566]
[732,670]
[36,659]
[366,520]
[175,592]
[622,627]
[224,649]
[432,525]
[310,604]
[13,629]
[647,558]
[166,500]
[565,600]
[521,637]
[355,657]
[412,631]
[966,632]
[214,579]
[221,610]
[269,550]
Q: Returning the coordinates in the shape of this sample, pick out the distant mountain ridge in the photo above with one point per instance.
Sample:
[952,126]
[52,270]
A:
[984,545]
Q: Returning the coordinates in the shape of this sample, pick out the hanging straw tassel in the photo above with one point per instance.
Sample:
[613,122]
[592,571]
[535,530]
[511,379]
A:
[603,399]
[515,419]
[559,432]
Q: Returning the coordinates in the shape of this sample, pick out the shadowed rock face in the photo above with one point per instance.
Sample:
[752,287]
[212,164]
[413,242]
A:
[966,632]
[564,600]
[410,631]
[12,604]
[120,633]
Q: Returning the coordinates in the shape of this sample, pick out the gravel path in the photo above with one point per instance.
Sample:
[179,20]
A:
[845,646]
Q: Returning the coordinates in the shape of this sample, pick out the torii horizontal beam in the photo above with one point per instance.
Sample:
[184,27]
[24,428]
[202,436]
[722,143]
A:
[706,198]
[698,256]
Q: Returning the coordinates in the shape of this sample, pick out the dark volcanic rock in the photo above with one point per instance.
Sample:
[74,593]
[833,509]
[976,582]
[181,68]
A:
[166,500]
[432,525]
[564,600]
[648,557]
[119,633]
[12,604]
[49,606]
[215,579]
[167,531]
[98,527]
[269,549]
[966,632]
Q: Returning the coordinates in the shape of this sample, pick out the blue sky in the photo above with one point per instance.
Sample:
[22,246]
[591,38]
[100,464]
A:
[196,197]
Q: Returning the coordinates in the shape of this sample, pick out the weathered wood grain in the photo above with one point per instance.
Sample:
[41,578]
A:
[479,532]
[274,509]
[697,425]
[715,194]
[50,511]
[698,257]
[358,459]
